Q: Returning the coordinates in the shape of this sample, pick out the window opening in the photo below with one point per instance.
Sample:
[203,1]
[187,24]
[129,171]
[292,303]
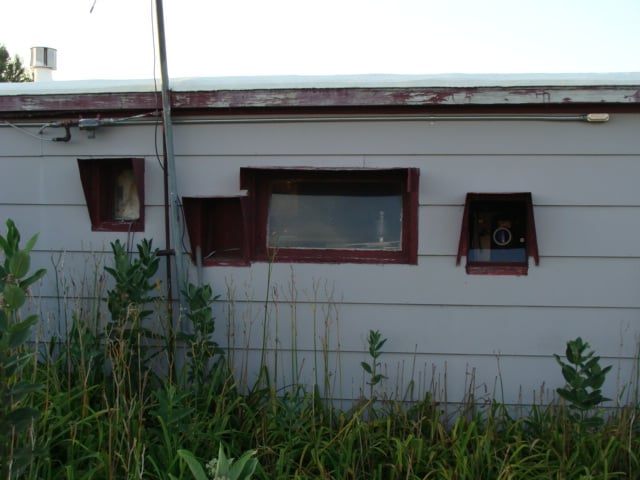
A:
[498,233]
[114,192]
[217,229]
[325,215]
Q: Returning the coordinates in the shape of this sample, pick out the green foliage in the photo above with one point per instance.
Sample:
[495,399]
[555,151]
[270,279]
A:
[93,427]
[584,377]
[134,284]
[201,348]
[376,342]
[11,69]
[225,468]
[128,303]
[222,467]
[16,416]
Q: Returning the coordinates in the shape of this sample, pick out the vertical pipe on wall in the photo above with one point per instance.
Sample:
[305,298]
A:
[170,164]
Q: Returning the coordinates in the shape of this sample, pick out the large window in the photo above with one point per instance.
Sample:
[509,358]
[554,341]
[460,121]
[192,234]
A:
[498,233]
[331,215]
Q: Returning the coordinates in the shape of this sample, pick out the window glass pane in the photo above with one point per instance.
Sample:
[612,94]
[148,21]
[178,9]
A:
[497,232]
[349,215]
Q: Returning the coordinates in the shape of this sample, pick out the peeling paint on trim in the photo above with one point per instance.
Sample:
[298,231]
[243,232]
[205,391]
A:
[326,97]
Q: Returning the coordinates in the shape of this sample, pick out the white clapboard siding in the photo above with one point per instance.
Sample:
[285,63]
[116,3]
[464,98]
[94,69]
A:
[76,236]
[55,180]
[428,329]
[562,282]
[562,231]
[410,138]
[444,327]
[122,141]
[444,180]
[450,378]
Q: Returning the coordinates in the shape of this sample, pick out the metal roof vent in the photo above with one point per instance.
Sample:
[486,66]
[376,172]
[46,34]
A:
[43,63]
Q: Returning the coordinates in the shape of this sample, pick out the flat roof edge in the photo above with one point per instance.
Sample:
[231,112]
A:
[319,92]
[293,82]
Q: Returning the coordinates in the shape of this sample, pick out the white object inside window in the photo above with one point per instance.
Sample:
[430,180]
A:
[126,200]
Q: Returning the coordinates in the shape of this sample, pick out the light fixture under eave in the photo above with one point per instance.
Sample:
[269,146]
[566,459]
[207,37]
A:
[597,117]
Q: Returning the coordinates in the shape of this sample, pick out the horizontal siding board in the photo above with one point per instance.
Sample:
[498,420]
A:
[432,329]
[51,180]
[588,231]
[449,378]
[561,231]
[41,181]
[57,233]
[596,283]
[576,180]
[444,180]
[344,138]
[20,143]
[78,281]
[220,175]
[411,138]
[552,180]
[124,141]
[138,140]
[575,282]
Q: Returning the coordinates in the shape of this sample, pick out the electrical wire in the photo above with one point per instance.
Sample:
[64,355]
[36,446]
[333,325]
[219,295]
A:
[27,132]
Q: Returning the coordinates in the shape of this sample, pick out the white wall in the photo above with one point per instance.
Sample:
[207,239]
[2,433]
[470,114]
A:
[444,327]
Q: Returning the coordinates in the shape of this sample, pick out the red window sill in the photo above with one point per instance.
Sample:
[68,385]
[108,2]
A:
[497,269]
[135,226]
[336,256]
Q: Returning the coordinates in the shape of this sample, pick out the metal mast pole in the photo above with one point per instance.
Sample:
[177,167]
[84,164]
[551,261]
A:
[170,163]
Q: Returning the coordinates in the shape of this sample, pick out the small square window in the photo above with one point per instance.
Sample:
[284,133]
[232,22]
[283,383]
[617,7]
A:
[217,229]
[114,192]
[327,215]
[498,234]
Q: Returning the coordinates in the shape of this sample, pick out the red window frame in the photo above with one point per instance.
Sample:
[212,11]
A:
[497,267]
[258,182]
[98,177]
[217,226]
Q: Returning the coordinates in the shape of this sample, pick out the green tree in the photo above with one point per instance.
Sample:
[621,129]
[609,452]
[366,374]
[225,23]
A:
[11,69]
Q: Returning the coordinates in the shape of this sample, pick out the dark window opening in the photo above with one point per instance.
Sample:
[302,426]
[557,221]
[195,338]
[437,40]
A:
[498,233]
[114,192]
[217,230]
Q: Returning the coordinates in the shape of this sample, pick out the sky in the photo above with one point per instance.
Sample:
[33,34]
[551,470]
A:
[117,39]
